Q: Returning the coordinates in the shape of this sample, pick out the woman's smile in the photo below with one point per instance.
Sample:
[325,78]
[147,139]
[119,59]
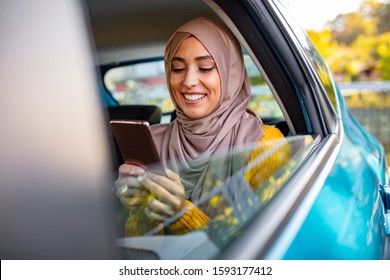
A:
[193,97]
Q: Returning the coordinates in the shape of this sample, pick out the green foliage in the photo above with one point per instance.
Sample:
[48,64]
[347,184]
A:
[383,50]
[346,28]
[257,80]
[383,19]
[356,46]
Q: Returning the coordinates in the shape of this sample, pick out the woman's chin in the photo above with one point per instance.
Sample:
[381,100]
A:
[195,114]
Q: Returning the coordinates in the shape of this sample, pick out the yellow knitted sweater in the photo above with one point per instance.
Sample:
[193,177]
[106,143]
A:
[138,223]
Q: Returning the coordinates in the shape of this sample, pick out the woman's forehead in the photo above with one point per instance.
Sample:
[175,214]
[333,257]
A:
[194,48]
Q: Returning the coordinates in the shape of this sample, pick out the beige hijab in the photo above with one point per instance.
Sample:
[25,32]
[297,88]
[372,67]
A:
[190,143]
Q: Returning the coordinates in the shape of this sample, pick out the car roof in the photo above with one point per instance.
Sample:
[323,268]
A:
[144,25]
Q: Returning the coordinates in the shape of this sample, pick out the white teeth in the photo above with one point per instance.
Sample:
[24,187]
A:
[193,97]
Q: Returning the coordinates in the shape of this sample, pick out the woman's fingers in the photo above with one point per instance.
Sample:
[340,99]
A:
[126,180]
[133,200]
[156,206]
[155,216]
[130,170]
[131,196]
[128,186]
[128,189]
[165,190]
[122,184]
[173,176]
[171,184]
[133,185]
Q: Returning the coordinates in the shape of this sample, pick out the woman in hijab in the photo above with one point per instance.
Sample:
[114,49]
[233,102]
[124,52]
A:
[210,89]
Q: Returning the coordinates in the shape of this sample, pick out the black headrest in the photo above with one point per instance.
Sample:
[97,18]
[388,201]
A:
[150,113]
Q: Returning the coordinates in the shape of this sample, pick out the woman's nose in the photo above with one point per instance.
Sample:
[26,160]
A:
[191,78]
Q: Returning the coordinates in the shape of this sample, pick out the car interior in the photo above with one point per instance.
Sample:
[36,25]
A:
[130,41]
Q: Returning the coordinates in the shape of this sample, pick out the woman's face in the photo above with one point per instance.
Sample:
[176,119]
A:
[194,80]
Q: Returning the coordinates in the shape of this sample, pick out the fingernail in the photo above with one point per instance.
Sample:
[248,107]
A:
[122,190]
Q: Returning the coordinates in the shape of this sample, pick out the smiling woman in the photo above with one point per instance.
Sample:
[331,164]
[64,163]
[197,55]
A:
[218,119]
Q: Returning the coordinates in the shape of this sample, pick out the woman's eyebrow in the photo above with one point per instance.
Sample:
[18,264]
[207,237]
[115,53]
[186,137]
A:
[176,58]
[205,57]
[199,58]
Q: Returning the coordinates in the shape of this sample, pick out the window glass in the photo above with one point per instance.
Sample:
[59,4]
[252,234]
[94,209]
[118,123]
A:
[145,83]
[140,83]
[262,101]
[312,53]
[227,203]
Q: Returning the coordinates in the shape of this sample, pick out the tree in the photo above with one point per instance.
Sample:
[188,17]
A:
[346,28]
[383,15]
[356,46]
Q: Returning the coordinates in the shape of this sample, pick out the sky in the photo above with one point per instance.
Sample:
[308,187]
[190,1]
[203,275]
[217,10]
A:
[312,14]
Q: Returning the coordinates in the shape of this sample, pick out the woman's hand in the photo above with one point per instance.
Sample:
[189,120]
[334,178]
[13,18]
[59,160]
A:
[167,194]
[128,189]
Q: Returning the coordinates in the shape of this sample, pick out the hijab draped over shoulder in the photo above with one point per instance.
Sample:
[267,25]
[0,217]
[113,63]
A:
[190,142]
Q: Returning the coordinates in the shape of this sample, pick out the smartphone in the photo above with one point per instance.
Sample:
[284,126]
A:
[136,144]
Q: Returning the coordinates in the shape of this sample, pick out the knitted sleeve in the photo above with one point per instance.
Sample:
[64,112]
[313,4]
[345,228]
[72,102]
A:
[266,158]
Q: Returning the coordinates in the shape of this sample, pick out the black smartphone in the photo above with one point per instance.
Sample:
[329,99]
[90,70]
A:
[136,144]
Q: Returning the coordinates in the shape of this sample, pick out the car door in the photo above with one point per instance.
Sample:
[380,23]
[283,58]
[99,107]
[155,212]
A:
[300,215]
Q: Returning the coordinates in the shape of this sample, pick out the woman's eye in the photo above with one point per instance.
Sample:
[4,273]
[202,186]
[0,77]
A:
[178,70]
[206,69]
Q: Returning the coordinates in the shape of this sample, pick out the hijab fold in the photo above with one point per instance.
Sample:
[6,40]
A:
[187,145]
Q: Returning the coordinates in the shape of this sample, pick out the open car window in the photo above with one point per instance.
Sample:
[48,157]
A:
[143,82]
[230,202]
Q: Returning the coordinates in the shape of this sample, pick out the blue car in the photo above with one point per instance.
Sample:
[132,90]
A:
[84,64]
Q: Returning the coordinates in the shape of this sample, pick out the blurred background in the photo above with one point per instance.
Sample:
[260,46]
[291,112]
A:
[354,38]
